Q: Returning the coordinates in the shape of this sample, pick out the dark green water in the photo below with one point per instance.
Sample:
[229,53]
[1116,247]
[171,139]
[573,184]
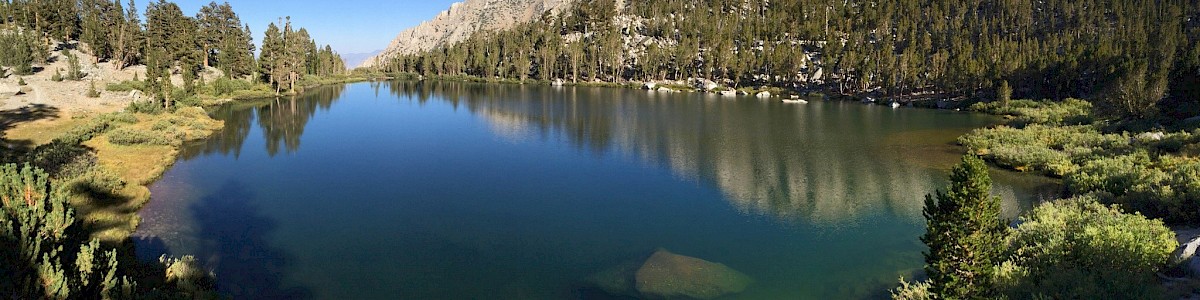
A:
[466,191]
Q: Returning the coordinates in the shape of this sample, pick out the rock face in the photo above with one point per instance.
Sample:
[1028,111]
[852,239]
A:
[672,276]
[464,19]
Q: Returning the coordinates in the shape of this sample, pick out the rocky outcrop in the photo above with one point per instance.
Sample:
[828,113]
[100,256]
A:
[464,19]
[666,275]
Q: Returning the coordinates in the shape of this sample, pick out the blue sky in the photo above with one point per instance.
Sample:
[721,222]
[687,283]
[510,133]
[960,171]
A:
[350,26]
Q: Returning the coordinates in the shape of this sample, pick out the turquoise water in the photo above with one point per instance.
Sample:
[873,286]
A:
[426,190]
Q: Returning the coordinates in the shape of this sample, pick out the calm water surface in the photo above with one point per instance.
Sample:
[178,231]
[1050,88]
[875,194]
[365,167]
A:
[466,191]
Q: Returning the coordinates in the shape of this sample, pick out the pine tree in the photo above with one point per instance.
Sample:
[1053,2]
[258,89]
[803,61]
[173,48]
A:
[1004,94]
[964,233]
[45,256]
[127,43]
[270,58]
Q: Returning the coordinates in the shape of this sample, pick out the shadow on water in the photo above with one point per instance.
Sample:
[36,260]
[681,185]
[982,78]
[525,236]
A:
[234,242]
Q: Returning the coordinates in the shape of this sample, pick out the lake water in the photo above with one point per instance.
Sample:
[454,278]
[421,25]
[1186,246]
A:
[427,190]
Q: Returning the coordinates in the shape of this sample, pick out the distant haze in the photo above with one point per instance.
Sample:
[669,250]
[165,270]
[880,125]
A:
[354,59]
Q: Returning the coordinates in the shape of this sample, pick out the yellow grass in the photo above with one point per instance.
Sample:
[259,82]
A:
[43,131]
[113,220]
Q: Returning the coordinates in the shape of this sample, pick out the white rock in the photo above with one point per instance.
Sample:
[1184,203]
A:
[707,85]
[1151,136]
[728,93]
[763,94]
[1186,256]
[8,90]
[558,82]
[665,90]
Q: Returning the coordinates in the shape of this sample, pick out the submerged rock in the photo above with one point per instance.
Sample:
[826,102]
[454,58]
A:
[671,276]
[617,280]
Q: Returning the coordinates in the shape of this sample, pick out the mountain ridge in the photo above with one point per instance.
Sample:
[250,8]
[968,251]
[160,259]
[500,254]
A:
[462,20]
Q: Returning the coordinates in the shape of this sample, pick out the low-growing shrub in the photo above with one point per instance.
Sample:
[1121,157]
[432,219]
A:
[145,107]
[126,86]
[92,92]
[1052,150]
[226,86]
[89,130]
[132,136]
[1045,112]
[1165,187]
[1081,249]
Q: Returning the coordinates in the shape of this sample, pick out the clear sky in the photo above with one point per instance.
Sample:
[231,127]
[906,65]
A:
[350,26]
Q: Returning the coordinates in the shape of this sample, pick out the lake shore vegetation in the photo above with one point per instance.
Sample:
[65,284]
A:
[90,171]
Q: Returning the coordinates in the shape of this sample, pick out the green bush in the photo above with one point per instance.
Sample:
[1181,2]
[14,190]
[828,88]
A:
[89,130]
[145,107]
[226,87]
[126,86]
[1081,249]
[131,136]
[1045,112]
[912,291]
[1165,187]
[45,256]
[92,92]
[1052,150]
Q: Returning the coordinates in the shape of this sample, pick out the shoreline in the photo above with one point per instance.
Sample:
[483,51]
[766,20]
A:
[135,166]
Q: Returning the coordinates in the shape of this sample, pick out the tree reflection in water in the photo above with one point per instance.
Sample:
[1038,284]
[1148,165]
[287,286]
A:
[788,162]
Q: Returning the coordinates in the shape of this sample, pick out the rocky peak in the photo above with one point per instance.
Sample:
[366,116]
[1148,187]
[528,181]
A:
[462,20]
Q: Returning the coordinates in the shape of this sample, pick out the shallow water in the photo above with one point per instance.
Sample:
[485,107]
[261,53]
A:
[425,190]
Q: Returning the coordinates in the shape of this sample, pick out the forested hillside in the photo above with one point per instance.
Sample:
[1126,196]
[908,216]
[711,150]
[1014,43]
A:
[1131,52]
[168,43]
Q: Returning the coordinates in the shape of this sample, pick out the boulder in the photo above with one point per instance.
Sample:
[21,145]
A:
[706,85]
[665,90]
[671,276]
[763,94]
[558,82]
[729,93]
[1151,136]
[1186,256]
[1192,264]
[650,86]
[8,90]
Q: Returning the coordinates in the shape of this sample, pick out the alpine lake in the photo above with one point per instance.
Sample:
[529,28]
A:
[446,190]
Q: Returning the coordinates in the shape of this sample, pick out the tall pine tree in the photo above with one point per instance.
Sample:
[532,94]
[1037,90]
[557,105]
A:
[964,233]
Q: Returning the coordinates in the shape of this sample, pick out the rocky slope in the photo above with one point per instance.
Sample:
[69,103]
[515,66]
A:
[464,19]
